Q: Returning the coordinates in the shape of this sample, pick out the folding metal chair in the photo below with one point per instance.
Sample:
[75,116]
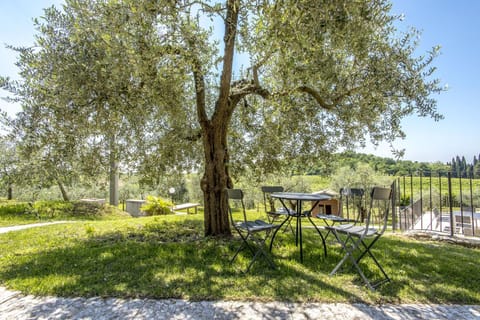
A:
[357,240]
[253,233]
[353,199]
[348,197]
[273,213]
[273,208]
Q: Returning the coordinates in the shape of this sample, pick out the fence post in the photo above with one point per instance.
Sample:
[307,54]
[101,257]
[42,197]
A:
[393,203]
[440,198]
[394,211]
[471,205]
[421,200]
[431,204]
[411,200]
[452,222]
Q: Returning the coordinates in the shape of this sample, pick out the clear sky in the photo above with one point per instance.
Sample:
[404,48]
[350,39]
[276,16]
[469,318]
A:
[452,24]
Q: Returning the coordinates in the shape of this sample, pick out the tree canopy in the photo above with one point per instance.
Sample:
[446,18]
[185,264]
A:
[321,76]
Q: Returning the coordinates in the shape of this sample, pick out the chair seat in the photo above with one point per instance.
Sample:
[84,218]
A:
[354,230]
[254,226]
[331,217]
[280,212]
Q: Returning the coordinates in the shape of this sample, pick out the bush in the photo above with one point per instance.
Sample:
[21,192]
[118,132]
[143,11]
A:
[157,206]
[14,208]
[83,208]
[53,208]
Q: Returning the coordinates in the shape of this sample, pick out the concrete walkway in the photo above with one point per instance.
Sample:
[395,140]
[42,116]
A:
[32,225]
[14,305]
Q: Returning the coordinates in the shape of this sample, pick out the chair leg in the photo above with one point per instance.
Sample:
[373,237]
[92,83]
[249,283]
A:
[349,254]
[344,248]
[276,230]
[367,250]
[244,245]
[260,243]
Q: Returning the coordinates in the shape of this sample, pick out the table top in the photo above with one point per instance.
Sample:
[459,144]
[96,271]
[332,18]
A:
[300,196]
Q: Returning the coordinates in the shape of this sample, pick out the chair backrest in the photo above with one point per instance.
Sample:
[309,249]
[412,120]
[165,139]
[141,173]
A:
[380,203]
[268,201]
[235,196]
[352,198]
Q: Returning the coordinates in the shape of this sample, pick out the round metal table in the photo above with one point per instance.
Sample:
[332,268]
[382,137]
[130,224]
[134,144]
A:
[298,214]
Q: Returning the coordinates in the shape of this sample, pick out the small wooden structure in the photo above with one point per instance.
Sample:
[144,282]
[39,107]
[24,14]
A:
[331,206]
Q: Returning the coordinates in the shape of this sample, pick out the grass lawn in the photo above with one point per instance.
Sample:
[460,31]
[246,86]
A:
[12,214]
[168,257]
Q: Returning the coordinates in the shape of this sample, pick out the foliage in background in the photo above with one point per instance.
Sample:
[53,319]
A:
[381,165]
[361,176]
[12,212]
[460,168]
[51,209]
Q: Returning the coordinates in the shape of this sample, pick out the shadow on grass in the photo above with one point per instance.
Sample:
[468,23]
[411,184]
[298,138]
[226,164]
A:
[173,260]
[160,261]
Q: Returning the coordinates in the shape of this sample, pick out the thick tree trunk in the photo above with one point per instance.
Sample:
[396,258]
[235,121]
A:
[214,133]
[214,183]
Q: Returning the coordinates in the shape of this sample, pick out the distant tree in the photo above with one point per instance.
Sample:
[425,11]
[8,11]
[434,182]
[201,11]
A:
[9,164]
[94,92]
[476,171]
[463,172]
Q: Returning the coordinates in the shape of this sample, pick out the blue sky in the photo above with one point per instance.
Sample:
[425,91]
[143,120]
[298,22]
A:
[452,24]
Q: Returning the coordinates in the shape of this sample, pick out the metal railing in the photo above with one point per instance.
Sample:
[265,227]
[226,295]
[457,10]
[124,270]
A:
[437,202]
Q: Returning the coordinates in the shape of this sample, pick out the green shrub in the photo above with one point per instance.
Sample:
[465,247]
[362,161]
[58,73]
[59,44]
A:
[157,206]
[14,208]
[53,208]
[83,208]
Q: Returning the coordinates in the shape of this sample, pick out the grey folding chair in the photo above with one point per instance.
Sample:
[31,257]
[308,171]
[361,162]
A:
[354,203]
[273,208]
[357,240]
[352,200]
[252,232]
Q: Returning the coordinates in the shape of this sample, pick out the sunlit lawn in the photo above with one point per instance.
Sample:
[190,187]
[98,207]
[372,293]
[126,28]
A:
[168,257]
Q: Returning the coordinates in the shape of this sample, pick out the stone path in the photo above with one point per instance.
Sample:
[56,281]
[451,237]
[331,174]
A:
[14,305]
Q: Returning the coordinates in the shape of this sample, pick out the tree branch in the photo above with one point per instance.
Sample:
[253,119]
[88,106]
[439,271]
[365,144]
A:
[233,7]
[316,95]
[242,88]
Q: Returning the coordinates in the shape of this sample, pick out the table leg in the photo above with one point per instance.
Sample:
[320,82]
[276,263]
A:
[321,235]
[299,223]
[289,217]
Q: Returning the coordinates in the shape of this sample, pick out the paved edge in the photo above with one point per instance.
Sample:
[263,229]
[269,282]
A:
[15,305]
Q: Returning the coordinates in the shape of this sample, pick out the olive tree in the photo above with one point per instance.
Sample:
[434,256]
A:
[322,75]
[319,76]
